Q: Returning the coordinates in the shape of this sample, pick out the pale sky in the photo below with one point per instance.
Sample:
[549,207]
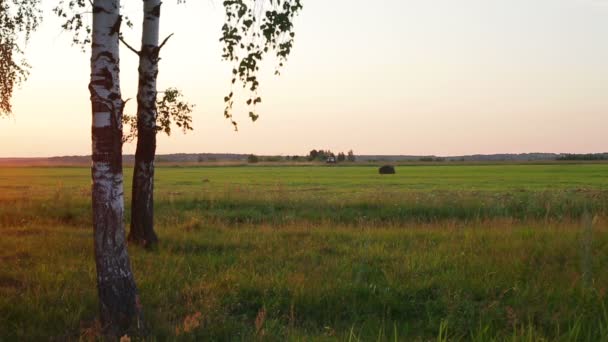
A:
[442,77]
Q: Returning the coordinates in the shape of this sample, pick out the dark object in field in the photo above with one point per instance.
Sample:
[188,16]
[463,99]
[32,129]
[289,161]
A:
[387,170]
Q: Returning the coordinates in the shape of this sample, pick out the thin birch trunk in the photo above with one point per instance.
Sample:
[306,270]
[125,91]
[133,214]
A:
[120,309]
[142,203]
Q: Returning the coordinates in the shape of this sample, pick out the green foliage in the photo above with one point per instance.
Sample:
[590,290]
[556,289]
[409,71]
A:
[18,19]
[251,30]
[172,109]
[76,18]
[584,157]
[323,155]
[351,156]
[252,158]
[75,21]
[431,159]
[273,159]
[313,155]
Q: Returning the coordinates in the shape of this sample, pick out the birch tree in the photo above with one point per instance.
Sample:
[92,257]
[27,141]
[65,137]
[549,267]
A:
[120,308]
[119,304]
[247,38]
[252,29]
[146,124]
[142,202]
[18,19]
[169,109]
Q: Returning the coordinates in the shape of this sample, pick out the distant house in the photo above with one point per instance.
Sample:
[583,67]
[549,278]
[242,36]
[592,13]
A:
[331,160]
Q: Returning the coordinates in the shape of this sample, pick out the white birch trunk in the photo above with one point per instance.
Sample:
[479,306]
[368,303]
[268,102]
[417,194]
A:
[142,215]
[118,299]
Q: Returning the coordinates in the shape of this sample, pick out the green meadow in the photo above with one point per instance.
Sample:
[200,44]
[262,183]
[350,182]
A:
[307,253]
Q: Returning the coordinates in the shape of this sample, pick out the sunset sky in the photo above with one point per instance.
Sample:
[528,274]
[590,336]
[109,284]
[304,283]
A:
[442,77]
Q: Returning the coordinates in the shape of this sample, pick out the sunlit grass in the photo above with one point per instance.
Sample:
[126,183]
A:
[320,265]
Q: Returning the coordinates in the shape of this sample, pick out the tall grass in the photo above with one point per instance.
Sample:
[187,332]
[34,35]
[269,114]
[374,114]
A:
[271,261]
[489,281]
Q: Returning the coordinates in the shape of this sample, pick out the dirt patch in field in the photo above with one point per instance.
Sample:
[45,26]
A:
[10,283]
[297,235]
[209,248]
[15,187]
[20,233]
[21,259]
[15,257]
[297,190]
[328,250]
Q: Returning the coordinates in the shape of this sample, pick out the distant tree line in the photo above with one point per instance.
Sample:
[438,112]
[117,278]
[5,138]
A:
[588,156]
[432,159]
[325,155]
[252,158]
[314,155]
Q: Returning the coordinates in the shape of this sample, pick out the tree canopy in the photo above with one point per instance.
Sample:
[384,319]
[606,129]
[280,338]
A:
[253,29]
[18,19]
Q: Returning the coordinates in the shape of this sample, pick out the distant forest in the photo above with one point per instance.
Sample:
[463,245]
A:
[317,155]
[588,156]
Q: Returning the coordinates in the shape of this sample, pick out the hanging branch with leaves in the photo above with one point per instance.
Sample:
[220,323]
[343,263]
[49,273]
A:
[171,107]
[18,19]
[75,15]
[253,29]
[172,110]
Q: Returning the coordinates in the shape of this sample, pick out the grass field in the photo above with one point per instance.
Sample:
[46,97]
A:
[459,252]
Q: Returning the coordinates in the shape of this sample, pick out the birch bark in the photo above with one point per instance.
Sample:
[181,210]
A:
[142,202]
[120,310]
